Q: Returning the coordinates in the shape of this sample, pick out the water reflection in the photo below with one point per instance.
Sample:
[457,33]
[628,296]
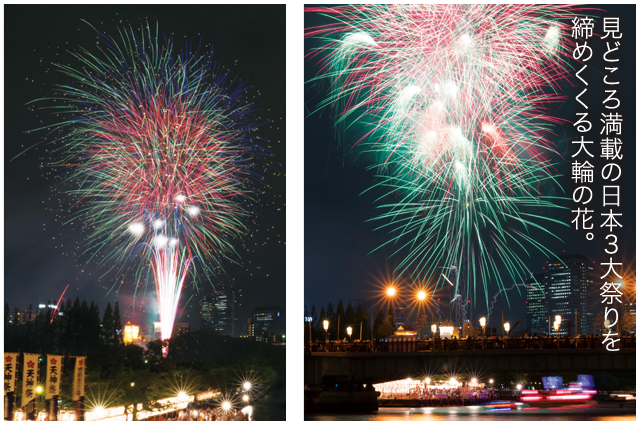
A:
[594,413]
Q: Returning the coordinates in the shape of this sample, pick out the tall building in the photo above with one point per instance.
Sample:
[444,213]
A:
[206,313]
[537,311]
[266,317]
[249,330]
[571,294]
[225,302]
[181,328]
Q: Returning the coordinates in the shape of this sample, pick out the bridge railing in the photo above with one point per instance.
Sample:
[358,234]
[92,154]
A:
[536,343]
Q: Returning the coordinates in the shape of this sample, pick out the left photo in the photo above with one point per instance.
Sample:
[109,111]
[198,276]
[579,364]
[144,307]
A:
[144,212]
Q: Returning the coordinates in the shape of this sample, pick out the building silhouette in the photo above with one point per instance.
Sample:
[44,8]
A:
[571,294]
[206,312]
[537,311]
[225,303]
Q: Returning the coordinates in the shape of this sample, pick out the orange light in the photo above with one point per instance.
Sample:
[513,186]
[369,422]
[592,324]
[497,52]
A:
[422,295]
[391,291]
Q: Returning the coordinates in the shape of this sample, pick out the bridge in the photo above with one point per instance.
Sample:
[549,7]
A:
[373,363]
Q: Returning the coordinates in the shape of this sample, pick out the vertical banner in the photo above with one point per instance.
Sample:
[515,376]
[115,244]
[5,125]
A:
[10,360]
[78,379]
[29,377]
[53,374]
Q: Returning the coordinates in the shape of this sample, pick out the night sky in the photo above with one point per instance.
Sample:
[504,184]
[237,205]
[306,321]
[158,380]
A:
[41,256]
[338,239]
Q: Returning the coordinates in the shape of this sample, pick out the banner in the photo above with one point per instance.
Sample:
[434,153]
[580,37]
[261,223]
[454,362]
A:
[54,375]
[29,377]
[10,360]
[78,379]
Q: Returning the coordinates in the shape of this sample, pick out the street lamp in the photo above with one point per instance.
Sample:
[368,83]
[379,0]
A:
[483,322]
[491,382]
[226,405]
[245,398]
[519,387]
[349,330]
[391,291]
[247,386]
[507,327]
[421,295]
[325,323]
[474,381]
[39,389]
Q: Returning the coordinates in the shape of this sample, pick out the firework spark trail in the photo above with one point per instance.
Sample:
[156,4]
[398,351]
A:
[455,100]
[495,297]
[53,315]
[159,146]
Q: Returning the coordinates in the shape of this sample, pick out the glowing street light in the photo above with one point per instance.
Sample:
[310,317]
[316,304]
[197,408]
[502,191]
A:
[474,381]
[491,382]
[247,386]
[245,398]
[39,389]
[325,324]
[349,331]
[428,381]
[507,327]
[391,291]
[100,411]
[483,322]
[226,405]
[519,387]
[421,295]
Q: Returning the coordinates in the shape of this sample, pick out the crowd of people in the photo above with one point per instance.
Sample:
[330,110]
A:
[469,343]
[446,396]
[205,414]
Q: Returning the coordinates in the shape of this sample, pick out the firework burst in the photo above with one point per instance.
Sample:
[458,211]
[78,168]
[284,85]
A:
[454,100]
[159,147]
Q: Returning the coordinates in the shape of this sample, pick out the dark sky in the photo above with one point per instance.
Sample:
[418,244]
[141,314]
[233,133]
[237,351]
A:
[40,255]
[338,240]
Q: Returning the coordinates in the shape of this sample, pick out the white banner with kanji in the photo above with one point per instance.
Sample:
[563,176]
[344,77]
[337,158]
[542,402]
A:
[10,360]
[78,379]
[29,377]
[54,375]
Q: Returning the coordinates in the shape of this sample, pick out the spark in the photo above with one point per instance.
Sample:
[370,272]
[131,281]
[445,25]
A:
[148,127]
[454,100]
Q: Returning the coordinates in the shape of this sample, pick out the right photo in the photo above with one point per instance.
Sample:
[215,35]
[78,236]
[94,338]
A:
[470,212]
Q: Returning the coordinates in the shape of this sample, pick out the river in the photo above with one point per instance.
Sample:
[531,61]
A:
[588,413]
[271,407]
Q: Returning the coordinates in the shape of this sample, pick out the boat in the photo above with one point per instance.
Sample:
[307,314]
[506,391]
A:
[558,398]
[500,405]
